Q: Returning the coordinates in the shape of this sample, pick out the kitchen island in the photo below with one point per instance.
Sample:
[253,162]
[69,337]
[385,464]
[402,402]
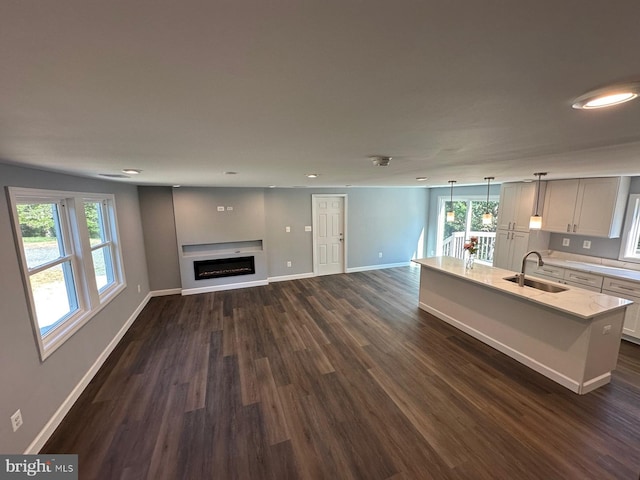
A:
[571,337]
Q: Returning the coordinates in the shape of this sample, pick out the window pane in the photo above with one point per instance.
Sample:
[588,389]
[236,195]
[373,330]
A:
[95,222]
[103,267]
[53,295]
[40,231]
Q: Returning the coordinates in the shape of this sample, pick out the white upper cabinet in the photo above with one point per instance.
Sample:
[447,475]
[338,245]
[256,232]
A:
[586,206]
[517,204]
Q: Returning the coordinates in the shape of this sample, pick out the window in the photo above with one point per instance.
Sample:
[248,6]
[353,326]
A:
[70,259]
[467,223]
[630,247]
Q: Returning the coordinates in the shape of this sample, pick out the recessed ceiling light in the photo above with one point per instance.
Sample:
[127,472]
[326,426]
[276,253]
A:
[272,186]
[607,96]
[313,175]
[131,171]
[113,175]
[177,186]
[230,173]
[421,179]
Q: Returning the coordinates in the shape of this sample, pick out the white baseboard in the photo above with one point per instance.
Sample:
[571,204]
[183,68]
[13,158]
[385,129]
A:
[59,415]
[168,291]
[228,286]
[377,267]
[297,276]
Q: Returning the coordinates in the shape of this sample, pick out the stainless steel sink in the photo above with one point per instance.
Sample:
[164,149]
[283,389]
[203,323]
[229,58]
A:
[544,286]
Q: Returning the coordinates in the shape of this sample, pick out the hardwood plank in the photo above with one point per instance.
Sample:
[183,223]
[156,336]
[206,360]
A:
[339,376]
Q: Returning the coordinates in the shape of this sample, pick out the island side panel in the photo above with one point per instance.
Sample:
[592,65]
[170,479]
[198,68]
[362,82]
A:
[549,341]
[604,346]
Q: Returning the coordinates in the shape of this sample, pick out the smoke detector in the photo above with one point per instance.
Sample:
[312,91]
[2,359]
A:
[380,161]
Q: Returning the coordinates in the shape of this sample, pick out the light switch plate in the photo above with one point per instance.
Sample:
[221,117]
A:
[307,228]
[221,209]
[287,229]
[586,244]
[229,209]
[566,242]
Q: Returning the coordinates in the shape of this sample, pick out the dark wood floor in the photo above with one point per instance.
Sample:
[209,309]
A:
[337,377]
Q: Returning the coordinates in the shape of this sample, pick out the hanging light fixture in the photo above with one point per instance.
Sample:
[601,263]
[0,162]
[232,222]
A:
[535,222]
[451,215]
[487,218]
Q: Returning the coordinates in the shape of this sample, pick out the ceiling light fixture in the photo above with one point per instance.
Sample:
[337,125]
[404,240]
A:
[607,96]
[131,171]
[487,218]
[451,215]
[421,179]
[230,173]
[535,222]
[313,175]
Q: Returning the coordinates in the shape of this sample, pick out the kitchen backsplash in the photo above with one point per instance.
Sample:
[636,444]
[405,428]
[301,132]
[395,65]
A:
[600,247]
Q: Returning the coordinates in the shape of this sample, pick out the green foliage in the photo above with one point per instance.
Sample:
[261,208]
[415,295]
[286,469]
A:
[478,208]
[93,220]
[37,220]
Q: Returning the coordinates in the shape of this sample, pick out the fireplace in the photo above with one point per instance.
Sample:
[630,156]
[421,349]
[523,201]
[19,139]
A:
[223,267]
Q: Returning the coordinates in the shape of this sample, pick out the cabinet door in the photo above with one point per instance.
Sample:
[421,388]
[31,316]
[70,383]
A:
[595,205]
[559,205]
[501,249]
[525,205]
[519,246]
[631,324]
[632,319]
[508,203]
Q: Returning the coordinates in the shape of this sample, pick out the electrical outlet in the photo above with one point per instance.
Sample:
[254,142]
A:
[287,229]
[379,254]
[16,420]
[139,288]
[565,242]
[586,244]
[606,330]
[220,209]
[229,209]
[289,264]
[307,228]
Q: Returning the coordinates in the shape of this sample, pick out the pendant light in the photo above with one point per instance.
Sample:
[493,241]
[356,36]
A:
[451,215]
[535,222]
[487,218]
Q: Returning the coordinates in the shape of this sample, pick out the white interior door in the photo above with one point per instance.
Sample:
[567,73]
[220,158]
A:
[329,238]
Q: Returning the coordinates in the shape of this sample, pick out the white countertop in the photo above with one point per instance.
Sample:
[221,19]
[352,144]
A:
[576,301]
[607,271]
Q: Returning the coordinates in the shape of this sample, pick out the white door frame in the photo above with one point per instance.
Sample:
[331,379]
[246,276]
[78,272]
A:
[314,197]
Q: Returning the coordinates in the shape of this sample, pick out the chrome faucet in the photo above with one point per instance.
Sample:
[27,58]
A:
[524,264]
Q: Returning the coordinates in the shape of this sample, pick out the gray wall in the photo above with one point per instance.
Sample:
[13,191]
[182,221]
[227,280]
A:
[388,220]
[160,242]
[39,388]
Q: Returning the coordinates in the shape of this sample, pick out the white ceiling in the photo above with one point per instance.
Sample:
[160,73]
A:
[186,90]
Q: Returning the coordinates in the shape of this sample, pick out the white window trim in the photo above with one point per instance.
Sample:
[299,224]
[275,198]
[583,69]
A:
[631,229]
[90,301]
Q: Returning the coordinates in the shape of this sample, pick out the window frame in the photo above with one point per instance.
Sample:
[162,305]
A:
[631,230]
[78,250]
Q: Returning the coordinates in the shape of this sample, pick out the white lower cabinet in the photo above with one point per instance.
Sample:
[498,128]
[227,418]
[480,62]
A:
[630,291]
[509,249]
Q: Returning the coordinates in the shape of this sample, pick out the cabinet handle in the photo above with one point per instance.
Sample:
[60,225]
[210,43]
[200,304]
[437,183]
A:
[509,226]
[548,271]
[568,227]
[623,287]
[574,228]
[582,278]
